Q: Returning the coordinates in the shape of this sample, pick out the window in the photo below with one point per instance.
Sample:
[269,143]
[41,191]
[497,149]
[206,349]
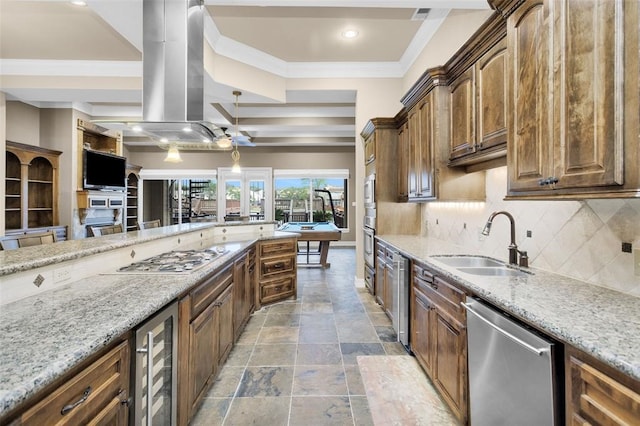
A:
[311,196]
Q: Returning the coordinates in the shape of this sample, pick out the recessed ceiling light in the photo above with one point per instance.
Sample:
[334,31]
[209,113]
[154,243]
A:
[349,34]
[78,2]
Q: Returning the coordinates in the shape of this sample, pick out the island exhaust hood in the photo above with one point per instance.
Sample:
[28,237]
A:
[173,79]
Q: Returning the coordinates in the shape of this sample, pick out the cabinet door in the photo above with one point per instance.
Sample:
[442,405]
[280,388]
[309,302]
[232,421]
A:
[421,328]
[595,397]
[426,159]
[413,153]
[530,104]
[203,351]
[239,295]
[370,149]
[450,362]
[225,323]
[589,83]
[463,107]
[491,86]
[388,288]
[380,279]
[403,162]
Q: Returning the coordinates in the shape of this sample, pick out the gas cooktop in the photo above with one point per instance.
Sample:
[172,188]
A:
[174,262]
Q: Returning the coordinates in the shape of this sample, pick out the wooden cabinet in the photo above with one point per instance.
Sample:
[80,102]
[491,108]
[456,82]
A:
[573,99]
[479,108]
[205,336]
[277,269]
[381,135]
[384,277]
[421,146]
[596,394]
[244,290]
[425,146]
[98,394]
[439,338]
[31,187]
[131,211]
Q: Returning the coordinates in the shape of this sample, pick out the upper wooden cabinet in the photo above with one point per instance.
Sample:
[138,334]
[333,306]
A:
[573,98]
[31,192]
[479,109]
[423,151]
[478,90]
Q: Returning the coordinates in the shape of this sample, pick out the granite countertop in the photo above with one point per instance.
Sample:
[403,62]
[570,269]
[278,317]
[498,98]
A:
[597,320]
[44,336]
[12,261]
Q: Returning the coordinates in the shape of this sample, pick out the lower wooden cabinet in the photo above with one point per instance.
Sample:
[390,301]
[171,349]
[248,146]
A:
[244,290]
[439,338]
[96,395]
[596,394]
[277,270]
[205,336]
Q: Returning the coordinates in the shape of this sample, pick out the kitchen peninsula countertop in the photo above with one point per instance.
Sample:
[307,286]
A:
[44,336]
[597,320]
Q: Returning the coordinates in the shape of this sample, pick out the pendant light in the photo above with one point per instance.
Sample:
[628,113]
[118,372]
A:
[235,154]
[173,155]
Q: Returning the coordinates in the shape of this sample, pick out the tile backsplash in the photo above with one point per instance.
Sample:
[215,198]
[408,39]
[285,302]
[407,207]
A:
[579,239]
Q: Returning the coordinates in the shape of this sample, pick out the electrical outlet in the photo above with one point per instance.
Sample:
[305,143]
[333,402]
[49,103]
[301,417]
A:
[528,234]
[62,274]
[627,247]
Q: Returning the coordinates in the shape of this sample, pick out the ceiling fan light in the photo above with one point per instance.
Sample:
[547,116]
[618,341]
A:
[224,143]
[173,155]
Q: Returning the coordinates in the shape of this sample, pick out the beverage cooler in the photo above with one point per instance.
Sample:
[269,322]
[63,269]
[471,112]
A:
[155,369]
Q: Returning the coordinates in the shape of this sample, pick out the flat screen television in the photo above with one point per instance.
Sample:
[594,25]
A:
[104,171]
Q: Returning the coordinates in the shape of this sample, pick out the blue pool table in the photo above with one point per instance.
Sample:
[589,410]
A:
[323,232]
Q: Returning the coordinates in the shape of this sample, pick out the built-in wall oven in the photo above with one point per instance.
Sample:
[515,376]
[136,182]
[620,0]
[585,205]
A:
[369,227]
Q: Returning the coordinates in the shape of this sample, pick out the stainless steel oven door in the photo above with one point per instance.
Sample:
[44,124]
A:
[370,217]
[369,246]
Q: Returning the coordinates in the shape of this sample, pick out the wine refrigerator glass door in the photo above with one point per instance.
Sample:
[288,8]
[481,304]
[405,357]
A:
[156,364]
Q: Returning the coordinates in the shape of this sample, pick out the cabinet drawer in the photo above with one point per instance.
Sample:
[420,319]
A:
[282,264]
[88,394]
[446,296]
[277,247]
[422,273]
[212,287]
[277,289]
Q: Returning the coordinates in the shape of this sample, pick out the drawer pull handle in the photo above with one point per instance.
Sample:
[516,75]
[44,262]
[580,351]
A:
[434,286]
[278,265]
[67,408]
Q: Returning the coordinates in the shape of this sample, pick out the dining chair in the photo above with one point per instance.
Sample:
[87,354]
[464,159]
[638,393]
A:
[106,230]
[149,224]
[28,240]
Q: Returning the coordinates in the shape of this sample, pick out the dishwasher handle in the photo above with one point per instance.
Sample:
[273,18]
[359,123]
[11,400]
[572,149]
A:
[537,351]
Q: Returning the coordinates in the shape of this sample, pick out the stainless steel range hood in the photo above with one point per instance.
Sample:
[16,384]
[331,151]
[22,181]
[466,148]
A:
[173,78]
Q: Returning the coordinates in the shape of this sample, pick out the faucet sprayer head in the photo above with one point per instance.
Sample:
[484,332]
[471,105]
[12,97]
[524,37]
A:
[487,228]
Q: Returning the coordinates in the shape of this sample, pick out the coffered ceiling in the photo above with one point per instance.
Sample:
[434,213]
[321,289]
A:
[55,54]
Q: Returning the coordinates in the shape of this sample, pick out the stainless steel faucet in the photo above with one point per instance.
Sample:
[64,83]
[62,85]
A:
[513,248]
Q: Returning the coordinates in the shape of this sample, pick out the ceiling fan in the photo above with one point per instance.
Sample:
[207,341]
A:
[237,139]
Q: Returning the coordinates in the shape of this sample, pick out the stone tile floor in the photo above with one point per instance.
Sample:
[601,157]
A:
[296,363]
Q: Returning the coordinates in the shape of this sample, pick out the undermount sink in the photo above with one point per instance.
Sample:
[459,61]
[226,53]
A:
[468,261]
[479,265]
[494,271]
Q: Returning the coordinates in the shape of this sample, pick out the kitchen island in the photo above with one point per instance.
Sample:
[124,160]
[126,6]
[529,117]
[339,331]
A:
[45,335]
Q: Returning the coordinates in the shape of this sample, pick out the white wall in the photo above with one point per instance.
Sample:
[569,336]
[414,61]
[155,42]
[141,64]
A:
[579,239]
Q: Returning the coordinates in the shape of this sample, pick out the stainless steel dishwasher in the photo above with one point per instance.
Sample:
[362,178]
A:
[511,371]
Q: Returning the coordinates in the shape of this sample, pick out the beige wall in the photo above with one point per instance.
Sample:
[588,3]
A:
[23,123]
[452,34]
